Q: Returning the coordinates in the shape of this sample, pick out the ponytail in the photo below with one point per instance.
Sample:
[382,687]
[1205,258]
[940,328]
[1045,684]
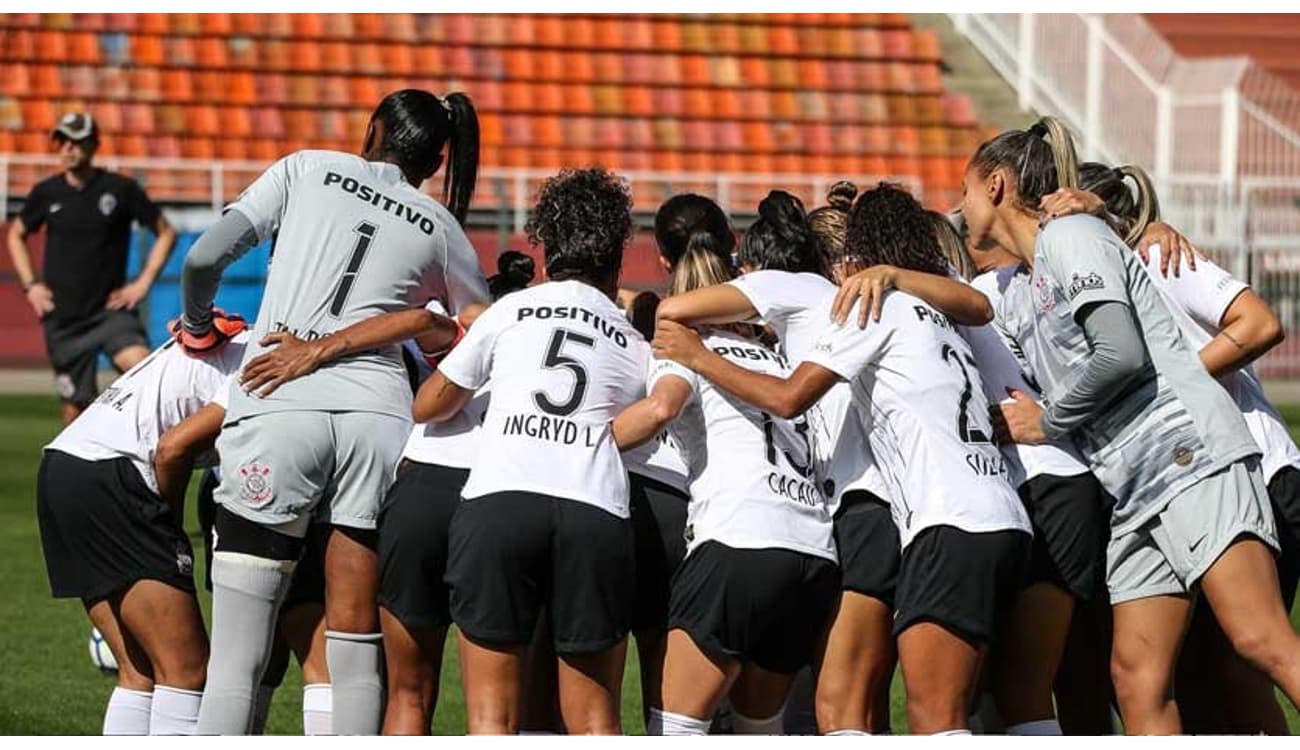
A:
[461,174]
[700,266]
[416,126]
[1041,160]
[1136,210]
[828,222]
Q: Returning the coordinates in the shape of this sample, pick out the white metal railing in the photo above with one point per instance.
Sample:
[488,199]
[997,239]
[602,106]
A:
[508,191]
[1219,135]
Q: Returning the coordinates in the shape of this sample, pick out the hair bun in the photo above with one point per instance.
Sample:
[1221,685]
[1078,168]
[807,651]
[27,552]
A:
[785,214]
[841,195]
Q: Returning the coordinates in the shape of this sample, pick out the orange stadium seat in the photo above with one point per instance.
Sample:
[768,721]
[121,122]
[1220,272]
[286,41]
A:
[212,52]
[39,114]
[15,78]
[177,85]
[187,24]
[51,46]
[109,116]
[179,50]
[11,118]
[138,117]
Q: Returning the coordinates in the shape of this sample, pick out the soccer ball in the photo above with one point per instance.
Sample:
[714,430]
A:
[100,655]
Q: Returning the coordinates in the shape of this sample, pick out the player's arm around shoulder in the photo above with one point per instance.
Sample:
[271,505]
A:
[465,369]
[179,448]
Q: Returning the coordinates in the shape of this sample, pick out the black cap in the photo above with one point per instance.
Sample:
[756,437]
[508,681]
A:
[76,126]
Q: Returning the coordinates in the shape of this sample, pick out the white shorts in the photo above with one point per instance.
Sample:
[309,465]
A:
[1168,554]
[277,468]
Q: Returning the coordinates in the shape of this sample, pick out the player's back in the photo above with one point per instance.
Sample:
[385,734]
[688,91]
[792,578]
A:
[563,361]
[753,481]
[926,417]
[354,240]
[163,389]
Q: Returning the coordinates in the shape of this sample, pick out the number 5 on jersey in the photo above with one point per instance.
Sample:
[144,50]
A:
[556,358]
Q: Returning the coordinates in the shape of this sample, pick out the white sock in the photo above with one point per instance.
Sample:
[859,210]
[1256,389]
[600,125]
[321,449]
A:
[952,733]
[667,724]
[317,709]
[174,710]
[246,594]
[354,661]
[261,708]
[127,712]
[1040,728]
[741,724]
[847,733]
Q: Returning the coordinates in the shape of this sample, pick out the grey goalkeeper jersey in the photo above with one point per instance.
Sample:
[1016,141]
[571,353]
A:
[1174,424]
[353,240]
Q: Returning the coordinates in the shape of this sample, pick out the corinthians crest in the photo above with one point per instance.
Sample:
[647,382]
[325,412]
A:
[255,483]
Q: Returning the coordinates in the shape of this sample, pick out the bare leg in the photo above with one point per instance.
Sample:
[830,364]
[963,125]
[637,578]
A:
[168,625]
[857,667]
[1024,664]
[694,683]
[1148,635]
[490,676]
[941,671]
[414,659]
[1243,591]
[590,690]
[133,669]
[651,649]
[1083,690]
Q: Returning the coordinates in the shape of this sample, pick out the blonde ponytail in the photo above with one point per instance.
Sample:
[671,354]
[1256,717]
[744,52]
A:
[1064,156]
[951,245]
[699,266]
[1147,209]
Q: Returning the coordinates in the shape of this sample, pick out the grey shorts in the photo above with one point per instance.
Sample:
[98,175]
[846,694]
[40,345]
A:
[1169,554]
[277,468]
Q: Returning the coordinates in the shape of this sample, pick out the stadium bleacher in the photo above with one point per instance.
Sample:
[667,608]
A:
[820,93]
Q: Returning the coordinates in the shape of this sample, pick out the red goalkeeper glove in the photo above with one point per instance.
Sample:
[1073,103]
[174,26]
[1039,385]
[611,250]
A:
[436,358]
[225,326]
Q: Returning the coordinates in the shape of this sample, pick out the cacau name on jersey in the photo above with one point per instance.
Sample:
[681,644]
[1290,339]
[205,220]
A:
[753,482]
[354,239]
[917,388]
[563,362]
[797,306]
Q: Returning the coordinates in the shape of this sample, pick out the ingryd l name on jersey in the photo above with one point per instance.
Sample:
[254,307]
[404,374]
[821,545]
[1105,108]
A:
[607,329]
[364,192]
[553,429]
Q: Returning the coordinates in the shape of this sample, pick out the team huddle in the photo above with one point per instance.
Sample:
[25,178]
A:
[1016,451]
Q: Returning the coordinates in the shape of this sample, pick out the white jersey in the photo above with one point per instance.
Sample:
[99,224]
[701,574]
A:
[660,460]
[917,387]
[563,362]
[753,483]
[353,240]
[1001,371]
[1198,300]
[452,443]
[164,389]
[798,308]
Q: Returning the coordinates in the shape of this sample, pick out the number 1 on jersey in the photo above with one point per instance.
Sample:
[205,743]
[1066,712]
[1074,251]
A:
[365,238]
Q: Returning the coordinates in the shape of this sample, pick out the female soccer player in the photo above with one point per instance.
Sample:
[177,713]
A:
[904,370]
[113,541]
[1230,326]
[1066,506]
[544,522]
[355,237]
[751,601]
[1162,437]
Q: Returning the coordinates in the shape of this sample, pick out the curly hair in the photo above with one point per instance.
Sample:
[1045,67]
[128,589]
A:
[583,220]
[888,226]
[780,239]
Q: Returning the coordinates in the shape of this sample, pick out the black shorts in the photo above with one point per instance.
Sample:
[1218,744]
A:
[308,585]
[103,528]
[868,545]
[512,553]
[1284,496]
[768,606]
[74,349]
[961,580]
[658,515]
[1071,523]
[414,520]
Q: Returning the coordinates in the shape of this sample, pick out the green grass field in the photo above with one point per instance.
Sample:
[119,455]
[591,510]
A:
[47,685]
